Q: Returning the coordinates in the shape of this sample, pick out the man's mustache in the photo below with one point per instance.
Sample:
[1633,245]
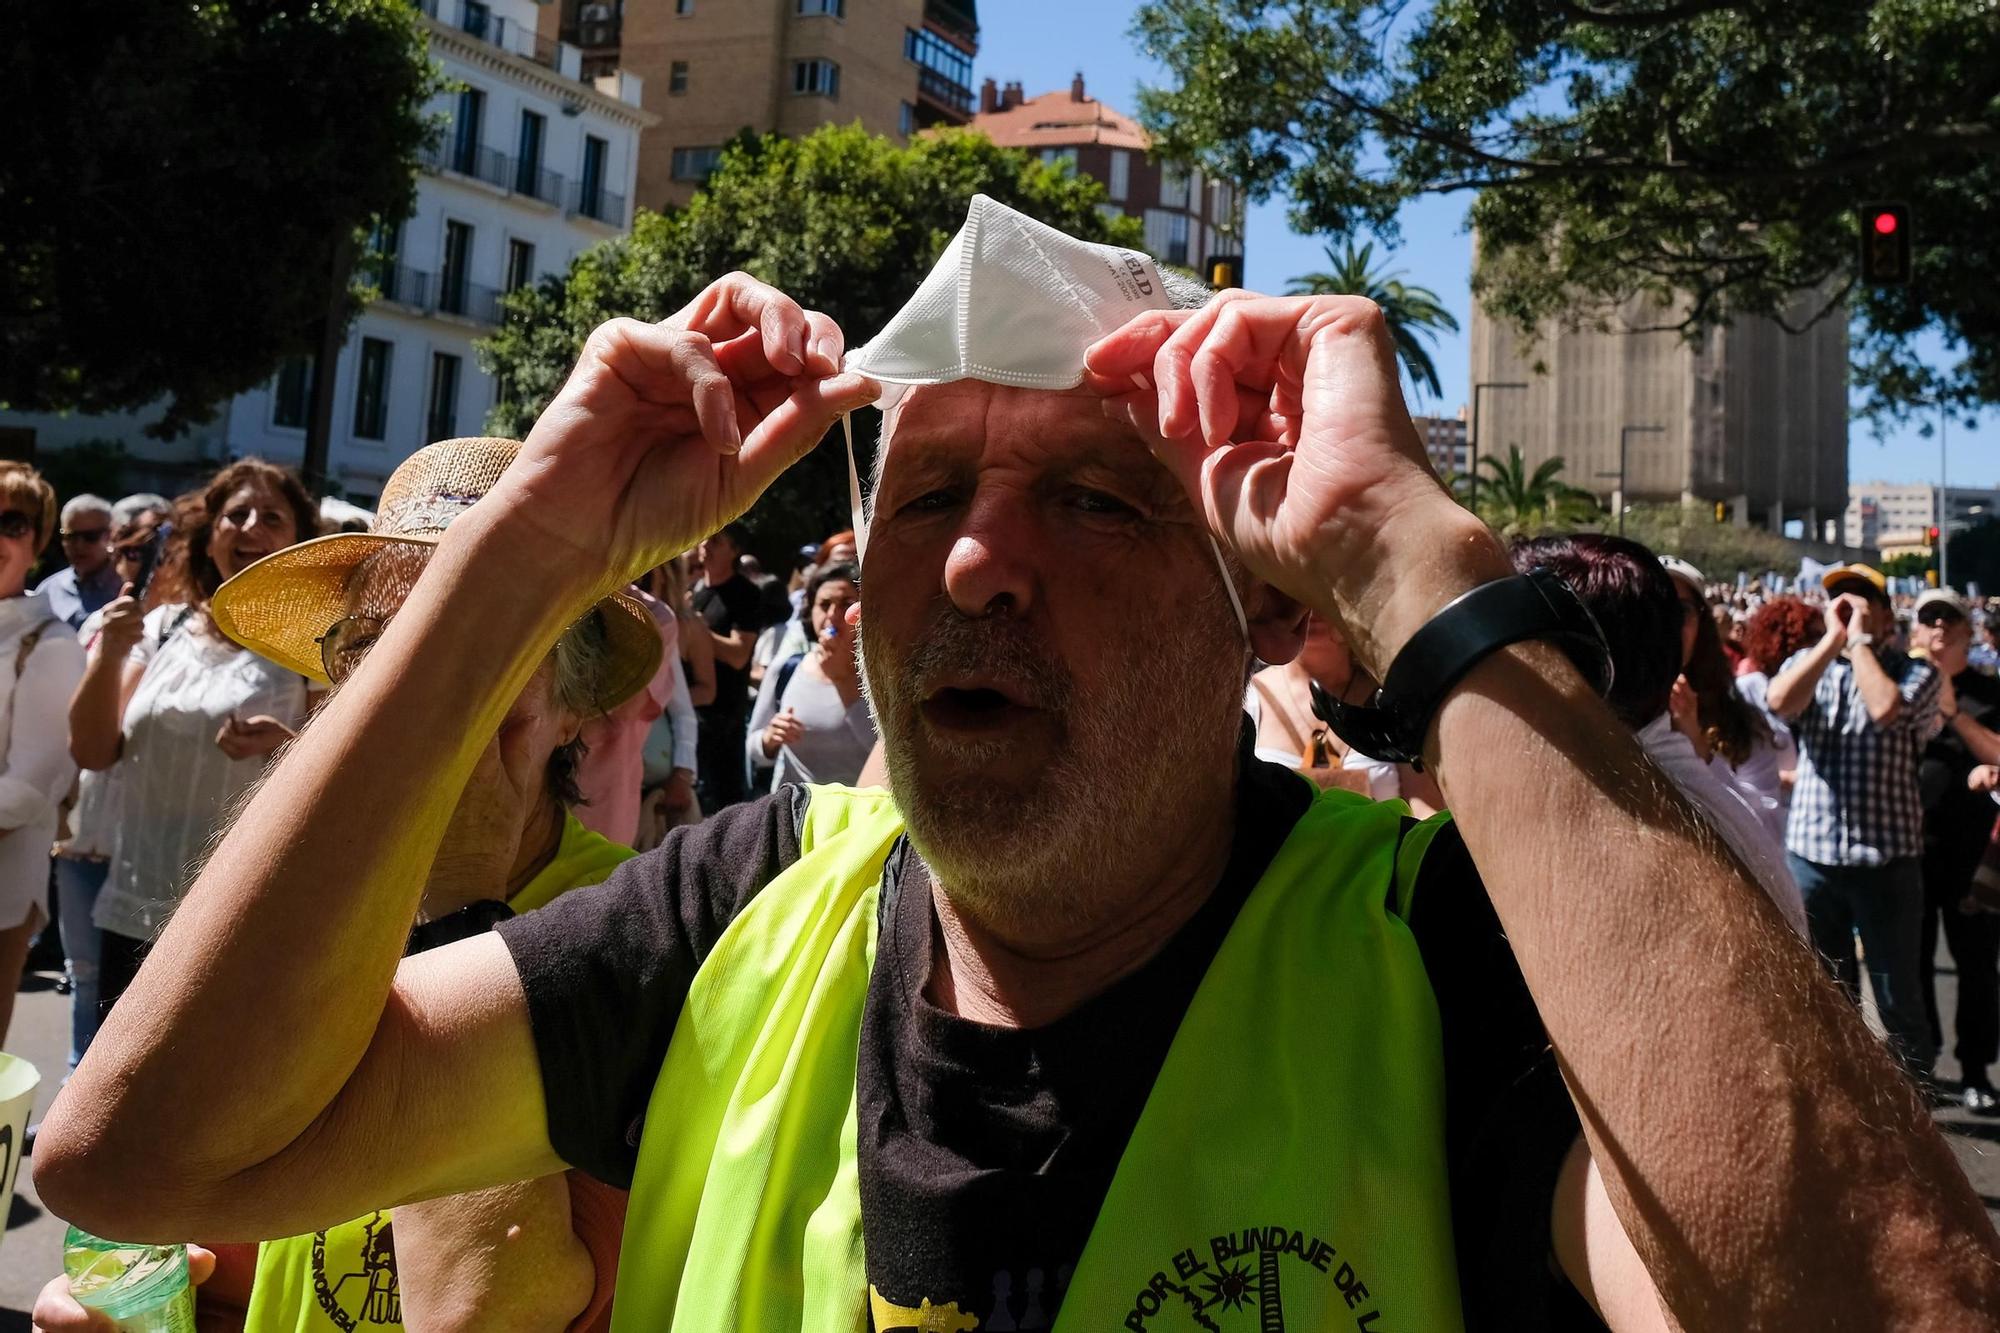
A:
[954,647]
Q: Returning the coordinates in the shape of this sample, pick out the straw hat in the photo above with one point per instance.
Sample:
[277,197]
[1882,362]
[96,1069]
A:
[280,606]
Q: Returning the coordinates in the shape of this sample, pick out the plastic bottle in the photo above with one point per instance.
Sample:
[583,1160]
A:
[141,1288]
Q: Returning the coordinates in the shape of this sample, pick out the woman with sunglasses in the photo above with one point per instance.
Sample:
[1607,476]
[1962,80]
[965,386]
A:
[40,662]
[188,716]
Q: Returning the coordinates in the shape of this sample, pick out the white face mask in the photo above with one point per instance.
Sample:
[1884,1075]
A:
[1011,301]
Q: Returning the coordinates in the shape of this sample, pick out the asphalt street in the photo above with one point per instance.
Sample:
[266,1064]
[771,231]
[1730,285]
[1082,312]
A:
[31,1250]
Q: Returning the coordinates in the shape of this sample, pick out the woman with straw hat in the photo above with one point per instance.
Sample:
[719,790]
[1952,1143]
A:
[317,608]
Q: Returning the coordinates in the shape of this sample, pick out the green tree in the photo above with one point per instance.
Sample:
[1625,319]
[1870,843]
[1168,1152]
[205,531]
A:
[1707,155]
[1413,313]
[1518,503]
[843,221]
[176,181]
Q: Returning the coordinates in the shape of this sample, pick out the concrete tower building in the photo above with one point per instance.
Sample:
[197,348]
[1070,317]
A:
[1748,415]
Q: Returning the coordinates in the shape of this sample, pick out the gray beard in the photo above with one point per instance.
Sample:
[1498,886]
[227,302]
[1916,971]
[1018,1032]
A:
[1055,855]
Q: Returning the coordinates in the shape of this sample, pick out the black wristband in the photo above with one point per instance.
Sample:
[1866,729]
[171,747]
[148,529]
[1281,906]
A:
[1471,628]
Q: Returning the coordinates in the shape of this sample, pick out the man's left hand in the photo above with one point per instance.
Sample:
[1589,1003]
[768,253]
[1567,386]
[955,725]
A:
[1284,418]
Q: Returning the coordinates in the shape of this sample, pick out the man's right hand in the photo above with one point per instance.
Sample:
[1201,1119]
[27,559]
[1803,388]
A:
[664,432]
[124,624]
[1839,616]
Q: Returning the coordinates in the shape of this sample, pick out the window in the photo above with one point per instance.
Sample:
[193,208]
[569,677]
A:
[906,119]
[457,260]
[477,18]
[371,390]
[818,78]
[1167,235]
[677,77]
[1052,156]
[695,164]
[465,131]
[590,190]
[1173,188]
[683,8]
[1120,183]
[443,417]
[289,393]
[528,163]
[947,71]
[520,264]
[815,8]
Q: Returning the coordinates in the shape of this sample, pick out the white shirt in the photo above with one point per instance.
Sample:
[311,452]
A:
[1728,813]
[35,766]
[179,788]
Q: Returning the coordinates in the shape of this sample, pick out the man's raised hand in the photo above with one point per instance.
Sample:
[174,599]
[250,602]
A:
[664,432]
[1284,418]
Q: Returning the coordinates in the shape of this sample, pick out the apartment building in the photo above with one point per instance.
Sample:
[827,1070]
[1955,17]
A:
[715,68]
[1445,442]
[537,164]
[1189,220]
[1895,515]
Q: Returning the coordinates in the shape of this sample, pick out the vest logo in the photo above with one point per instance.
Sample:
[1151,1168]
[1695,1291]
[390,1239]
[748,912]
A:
[364,1296]
[1238,1280]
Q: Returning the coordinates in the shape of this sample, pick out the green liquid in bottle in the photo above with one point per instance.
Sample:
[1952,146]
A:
[141,1288]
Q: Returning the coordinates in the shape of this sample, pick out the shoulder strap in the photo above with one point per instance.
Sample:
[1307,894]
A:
[785,671]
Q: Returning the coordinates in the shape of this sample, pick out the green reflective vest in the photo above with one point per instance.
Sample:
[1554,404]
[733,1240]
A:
[343,1279]
[1287,1172]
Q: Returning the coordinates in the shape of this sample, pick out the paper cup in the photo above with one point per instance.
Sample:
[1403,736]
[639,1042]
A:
[18,1081]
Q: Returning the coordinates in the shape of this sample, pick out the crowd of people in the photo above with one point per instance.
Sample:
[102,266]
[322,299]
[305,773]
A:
[532,851]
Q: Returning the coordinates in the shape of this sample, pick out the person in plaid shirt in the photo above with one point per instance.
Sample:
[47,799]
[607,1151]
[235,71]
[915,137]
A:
[1861,713]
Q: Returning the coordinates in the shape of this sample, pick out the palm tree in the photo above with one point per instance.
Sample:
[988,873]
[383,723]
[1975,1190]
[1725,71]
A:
[1517,503]
[1412,312]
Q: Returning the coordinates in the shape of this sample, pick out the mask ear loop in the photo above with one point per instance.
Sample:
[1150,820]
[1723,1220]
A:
[1221,566]
[854,490]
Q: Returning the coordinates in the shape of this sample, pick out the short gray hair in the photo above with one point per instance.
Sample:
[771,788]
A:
[85,504]
[143,502]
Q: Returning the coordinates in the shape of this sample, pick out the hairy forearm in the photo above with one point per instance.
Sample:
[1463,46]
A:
[498,1259]
[95,727]
[1792,690]
[322,870]
[1880,694]
[1726,1089]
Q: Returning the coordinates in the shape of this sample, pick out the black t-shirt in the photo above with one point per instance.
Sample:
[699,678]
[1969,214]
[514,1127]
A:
[1955,817]
[986,1153]
[731,605]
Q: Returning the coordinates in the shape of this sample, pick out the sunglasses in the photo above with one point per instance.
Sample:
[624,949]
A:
[1931,616]
[15,524]
[88,536]
[343,646]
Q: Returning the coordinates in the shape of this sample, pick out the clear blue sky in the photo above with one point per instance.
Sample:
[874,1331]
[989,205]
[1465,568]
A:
[1043,42]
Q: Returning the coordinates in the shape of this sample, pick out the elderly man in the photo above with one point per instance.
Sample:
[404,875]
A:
[88,581]
[1861,712]
[1120,1023]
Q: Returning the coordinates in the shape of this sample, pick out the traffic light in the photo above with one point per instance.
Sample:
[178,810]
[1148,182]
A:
[1931,534]
[1885,244]
[1721,511]
[1225,271]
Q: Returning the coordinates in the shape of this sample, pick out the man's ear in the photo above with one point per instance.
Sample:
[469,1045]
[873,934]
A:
[1277,624]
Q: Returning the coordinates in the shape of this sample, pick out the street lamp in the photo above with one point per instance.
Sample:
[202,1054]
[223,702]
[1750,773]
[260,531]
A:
[1472,438]
[1625,433]
[1944,501]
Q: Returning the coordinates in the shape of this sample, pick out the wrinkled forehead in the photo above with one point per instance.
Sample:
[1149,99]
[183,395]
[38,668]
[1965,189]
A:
[970,422]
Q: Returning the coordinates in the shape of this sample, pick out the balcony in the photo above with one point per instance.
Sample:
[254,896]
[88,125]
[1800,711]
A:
[478,21]
[499,170]
[599,205]
[948,96]
[404,285]
[469,300]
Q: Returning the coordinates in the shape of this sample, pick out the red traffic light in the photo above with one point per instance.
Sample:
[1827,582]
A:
[1885,224]
[1932,533]
[1885,244]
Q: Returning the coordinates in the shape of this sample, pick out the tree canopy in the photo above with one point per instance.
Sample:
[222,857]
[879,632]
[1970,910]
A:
[842,221]
[173,180]
[1412,312]
[1516,502]
[1707,155]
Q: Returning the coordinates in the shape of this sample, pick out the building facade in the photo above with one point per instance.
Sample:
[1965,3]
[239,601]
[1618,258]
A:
[715,68]
[1445,440]
[1189,220]
[1897,516]
[535,164]
[1748,414]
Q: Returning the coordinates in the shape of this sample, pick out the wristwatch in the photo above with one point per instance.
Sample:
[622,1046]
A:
[1471,628]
